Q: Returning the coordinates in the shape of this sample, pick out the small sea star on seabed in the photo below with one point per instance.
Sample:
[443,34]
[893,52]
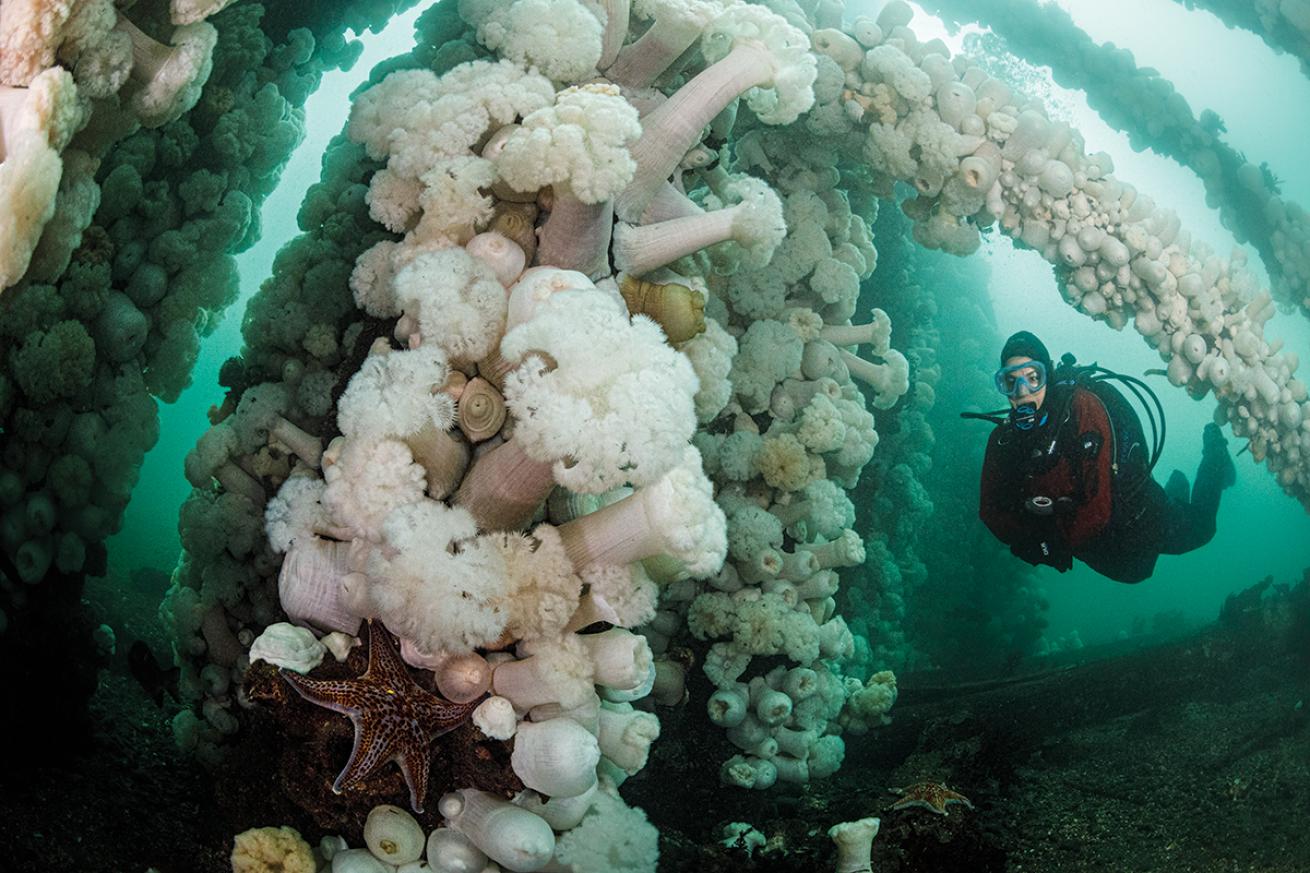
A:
[929,795]
[395,718]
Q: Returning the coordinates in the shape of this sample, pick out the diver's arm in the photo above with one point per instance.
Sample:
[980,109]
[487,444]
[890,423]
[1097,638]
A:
[997,505]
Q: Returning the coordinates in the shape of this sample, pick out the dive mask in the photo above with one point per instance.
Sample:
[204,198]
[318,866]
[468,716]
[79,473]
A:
[1017,380]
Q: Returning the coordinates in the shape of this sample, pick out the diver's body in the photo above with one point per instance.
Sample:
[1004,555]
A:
[1050,489]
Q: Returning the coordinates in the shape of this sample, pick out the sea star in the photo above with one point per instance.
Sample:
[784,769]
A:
[395,718]
[929,795]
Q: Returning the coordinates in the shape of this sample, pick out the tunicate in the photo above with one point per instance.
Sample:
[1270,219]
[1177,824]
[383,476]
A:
[392,835]
[955,101]
[1146,322]
[1085,279]
[1071,254]
[1056,178]
[1217,372]
[1114,251]
[1179,371]
[1194,348]
[1247,344]
[1136,238]
[977,172]
[1090,238]
[1094,303]
[867,32]
[1033,162]
[1030,132]
[453,852]
[1149,271]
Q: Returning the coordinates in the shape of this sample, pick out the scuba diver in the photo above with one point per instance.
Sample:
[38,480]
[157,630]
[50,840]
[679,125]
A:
[1067,472]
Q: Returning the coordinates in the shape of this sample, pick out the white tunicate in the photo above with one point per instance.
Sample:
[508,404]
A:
[1246,344]
[290,646]
[1194,348]
[449,851]
[1033,162]
[1136,238]
[1217,372]
[1084,278]
[1071,254]
[1114,251]
[1151,272]
[392,835]
[1147,322]
[866,32]
[1290,415]
[1030,131]
[1056,178]
[1090,238]
[955,101]
[1180,371]
[1190,285]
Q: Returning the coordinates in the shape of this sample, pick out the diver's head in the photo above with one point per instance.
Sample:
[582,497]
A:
[1025,367]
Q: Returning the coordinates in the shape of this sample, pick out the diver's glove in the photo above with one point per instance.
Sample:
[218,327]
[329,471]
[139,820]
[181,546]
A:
[1043,543]
[1215,460]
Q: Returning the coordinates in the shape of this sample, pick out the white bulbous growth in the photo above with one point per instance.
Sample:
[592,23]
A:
[1215,370]
[955,102]
[510,835]
[854,841]
[288,645]
[1194,348]
[557,757]
[449,851]
[773,707]
[1147,322]
[728,706]
[561,813]
[392,835]
[1179,371]
[622,658]
[1056,178]
[496,718]
[1070,252]
[625,735]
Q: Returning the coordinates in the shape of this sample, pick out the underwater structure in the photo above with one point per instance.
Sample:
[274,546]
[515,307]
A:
[556,406]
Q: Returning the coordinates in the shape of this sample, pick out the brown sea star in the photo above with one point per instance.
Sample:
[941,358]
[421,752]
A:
[395,718]
[929,795]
